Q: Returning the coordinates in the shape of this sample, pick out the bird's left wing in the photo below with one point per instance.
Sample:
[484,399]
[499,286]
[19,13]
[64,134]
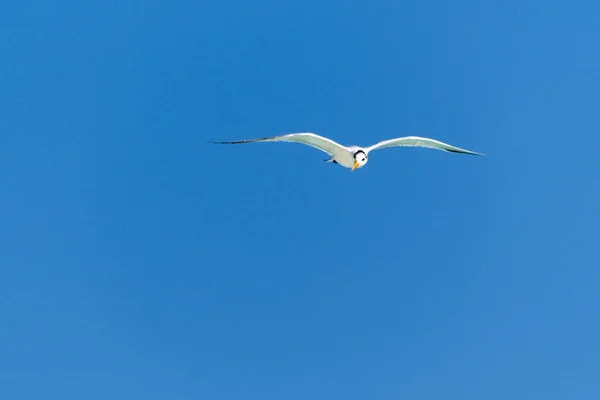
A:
[310,139]
[415,141]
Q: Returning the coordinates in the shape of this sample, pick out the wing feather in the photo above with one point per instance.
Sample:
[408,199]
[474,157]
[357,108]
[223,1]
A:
[310,139]
[415,141]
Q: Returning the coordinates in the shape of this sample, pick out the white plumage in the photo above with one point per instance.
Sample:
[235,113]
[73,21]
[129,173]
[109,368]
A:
[353,156]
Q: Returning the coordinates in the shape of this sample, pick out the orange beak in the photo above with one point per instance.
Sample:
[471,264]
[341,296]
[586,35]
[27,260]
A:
[355,165]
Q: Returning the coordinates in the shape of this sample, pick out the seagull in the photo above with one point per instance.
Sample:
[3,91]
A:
[353,157]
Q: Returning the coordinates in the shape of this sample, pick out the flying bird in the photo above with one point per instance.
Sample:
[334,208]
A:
[353,157]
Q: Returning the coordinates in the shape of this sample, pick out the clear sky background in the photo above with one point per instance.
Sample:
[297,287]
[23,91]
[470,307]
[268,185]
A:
[139,262]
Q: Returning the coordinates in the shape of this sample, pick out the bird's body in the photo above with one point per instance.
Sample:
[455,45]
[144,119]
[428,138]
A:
[345,158]
[353,157]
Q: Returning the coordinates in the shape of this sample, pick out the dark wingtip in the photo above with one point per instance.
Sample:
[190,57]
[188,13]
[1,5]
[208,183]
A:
[470,153]
[238,142]
[241,141]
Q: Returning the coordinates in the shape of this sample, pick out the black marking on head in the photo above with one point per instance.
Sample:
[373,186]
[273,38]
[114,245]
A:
[360,151]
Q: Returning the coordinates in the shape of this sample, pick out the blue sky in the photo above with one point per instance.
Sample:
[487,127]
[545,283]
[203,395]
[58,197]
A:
[137,261]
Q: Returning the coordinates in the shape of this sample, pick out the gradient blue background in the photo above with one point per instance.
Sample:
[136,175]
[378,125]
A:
[139,262]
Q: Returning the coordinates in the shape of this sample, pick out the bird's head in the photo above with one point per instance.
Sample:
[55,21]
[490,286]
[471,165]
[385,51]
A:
[360,159]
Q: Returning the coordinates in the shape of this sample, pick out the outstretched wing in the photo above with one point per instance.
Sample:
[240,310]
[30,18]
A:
[310,139]
[415,141]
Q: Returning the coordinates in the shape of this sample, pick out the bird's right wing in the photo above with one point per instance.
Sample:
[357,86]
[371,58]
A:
[415,141]
[310,139]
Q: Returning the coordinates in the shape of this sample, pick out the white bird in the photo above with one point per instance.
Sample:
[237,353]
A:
[353,156]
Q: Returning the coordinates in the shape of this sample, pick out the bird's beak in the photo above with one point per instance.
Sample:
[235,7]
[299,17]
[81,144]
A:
[355,165]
